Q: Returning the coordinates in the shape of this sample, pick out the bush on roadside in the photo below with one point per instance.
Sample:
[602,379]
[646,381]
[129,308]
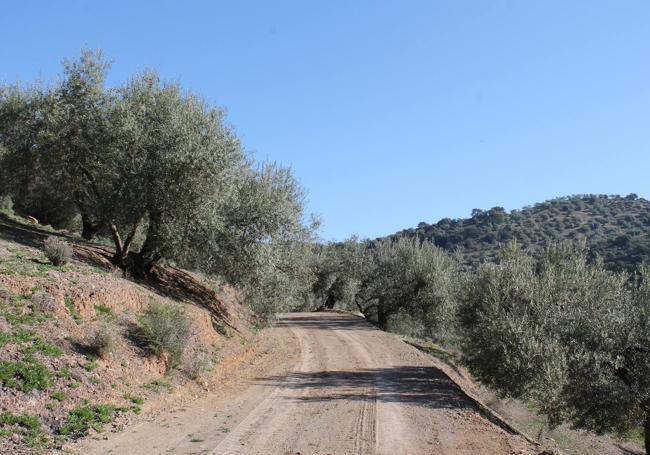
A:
[101,342]
[58,251]
[165,330]
[198,365]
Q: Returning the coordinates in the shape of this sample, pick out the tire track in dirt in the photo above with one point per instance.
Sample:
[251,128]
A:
[251,425]
[297,408]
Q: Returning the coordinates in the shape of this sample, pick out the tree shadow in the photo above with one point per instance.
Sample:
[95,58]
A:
[325,321]
[422,386]
[628,451]
[84,349]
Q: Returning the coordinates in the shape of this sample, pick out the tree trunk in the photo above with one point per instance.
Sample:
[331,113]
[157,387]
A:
[382,318]
[122,247]
[646,428]
[129,239]
[119,247]
[150,252]
[329,302]
[88,228]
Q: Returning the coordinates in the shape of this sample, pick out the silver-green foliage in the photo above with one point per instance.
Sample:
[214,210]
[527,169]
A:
[156,168]
[165,330]
[565,333]
[57,250]
[389,277]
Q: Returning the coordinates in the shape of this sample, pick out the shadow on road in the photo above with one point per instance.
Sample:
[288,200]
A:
[325,321]
[423,386]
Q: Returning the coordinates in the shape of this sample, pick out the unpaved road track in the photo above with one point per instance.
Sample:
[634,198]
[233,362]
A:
[351,389]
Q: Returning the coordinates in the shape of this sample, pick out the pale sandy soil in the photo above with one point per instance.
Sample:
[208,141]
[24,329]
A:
[324,383]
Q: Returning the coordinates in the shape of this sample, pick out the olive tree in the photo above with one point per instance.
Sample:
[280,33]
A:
[180,161]
[340,268]
[25,113]
[385,277]
[260,239]
[565,333]
[414,277]
[157,167]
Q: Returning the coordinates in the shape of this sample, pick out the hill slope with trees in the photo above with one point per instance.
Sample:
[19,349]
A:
[614,227]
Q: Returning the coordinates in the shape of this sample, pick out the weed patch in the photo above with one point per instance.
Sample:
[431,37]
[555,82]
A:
[28,427]
[26,375]
[58,395]
[134,398]
[83,418]
[69,304]
[105,312]
[157,385]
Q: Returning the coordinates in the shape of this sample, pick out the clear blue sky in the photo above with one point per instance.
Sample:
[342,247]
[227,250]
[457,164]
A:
[390,113]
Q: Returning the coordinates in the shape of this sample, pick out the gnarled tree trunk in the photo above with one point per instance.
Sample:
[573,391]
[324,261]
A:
[382,318]
[150,253]
[122,247]
[89,228]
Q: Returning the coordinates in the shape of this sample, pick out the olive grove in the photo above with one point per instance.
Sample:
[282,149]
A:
[156,169]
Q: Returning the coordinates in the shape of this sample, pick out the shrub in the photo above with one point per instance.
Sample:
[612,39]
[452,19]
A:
[24,375]
[165,330]
[58,251]
[198,365]
[82,418]
[25,425]
[6,205]
[101,342]
[44,302]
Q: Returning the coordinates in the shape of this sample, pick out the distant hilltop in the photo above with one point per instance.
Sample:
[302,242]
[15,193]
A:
[615,228]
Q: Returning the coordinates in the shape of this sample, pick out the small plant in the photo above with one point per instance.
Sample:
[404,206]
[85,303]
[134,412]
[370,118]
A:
[198,364]
[24,375]
[165,330]
[133,398]
[29,427]
[222,329]
[23,420]
[105,312]
[101,342]
[69,304]
[58,395]
[58,251]
[157,385]
[20,336]
[90,366]
[83,418]
[39,345]
[64,373]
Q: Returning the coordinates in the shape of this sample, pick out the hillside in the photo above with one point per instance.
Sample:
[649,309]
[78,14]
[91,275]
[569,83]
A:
[75,359]
[615,228]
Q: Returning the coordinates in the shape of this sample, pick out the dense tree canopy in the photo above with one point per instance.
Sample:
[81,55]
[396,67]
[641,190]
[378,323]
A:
[381,279]
[153,166]
[614,227]
[564,332]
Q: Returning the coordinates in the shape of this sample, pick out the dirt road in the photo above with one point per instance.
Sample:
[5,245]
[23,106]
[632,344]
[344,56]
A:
[348,389]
